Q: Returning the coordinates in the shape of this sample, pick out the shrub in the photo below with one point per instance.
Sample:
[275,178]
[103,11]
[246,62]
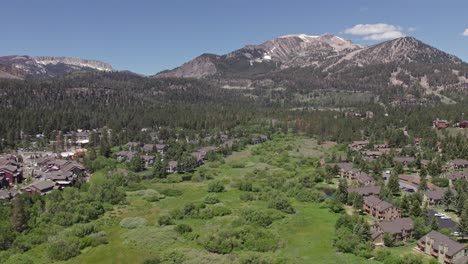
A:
[215,186]
[132,222]
[183,228]
[19,259]
[174,178]
[174,257]
[281,204]
[245,186]
[221,210]
[152,260]
[165,220]
[176,214]
[246,197]
[172,192]
[82,230]
[256,217]
[211,198]
[62,248]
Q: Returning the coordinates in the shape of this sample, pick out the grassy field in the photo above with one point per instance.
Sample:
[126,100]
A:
[303,237]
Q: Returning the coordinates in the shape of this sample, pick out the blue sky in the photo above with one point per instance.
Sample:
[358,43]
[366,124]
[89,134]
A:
[149,36]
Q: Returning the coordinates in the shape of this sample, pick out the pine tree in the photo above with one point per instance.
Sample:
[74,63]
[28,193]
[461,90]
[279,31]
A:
[434,224]
[463,224]
[448,199]
[342,191]
[18,215]
[405,206]
[393,183]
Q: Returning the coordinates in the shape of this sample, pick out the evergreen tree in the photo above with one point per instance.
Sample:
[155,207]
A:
[448,198]
[405,206]
[463,224]
[393,183]
[434,224]
[18,215]
[159,170]
[342,191]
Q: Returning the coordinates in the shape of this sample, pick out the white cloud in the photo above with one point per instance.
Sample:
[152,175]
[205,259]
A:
[412,29]
[380,31]
[385,35]
[465,33]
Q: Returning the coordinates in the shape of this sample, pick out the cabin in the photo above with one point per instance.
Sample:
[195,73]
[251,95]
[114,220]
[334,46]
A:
[379,209]
[148,160]
[41,186]
[172,166]
[401,229]
[365,190]
[440,124]
[433,197]
[455,176]
[457,164]
[125,155]
[442,248]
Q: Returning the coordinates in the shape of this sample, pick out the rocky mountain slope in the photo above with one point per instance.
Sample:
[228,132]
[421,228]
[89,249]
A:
[276,54]
[328,61]
[23,66]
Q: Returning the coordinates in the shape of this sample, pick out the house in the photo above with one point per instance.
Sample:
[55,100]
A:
[458,164]
[133,146]
[365,190]
[148,160]
[343,168]
[363,179]
[404,160]
[442,247]
[199,157]
[433,197]
[410,183]
[171,166]
[10,172]
[125,155]
[358,145]
[401,229]
[455,176]
[440,124]
[463,124]
[153,148]
[379,209]
[7,195]
[41,186]
[372,155]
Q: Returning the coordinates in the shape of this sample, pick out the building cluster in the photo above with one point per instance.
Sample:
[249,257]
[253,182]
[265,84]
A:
[441,124]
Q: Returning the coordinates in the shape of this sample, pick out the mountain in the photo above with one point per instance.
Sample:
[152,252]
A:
[280,53]
[19,67]
[330,62]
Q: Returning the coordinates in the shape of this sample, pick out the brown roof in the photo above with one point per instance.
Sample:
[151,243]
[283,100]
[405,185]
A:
[375,202]
[344,165]
[366,190]
[363,177]
[459,162]
[458,175]
[440,239]
[435,194]
[404,159]
[397,225]
[42,185]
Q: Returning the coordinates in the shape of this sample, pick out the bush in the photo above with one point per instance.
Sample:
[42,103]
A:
[172,192]
[211,198]
[62,248]
[215,186]
[245,186]
[132,222]
[19,259]
[183,228]
[165,220]
[174,257]
[219,210]
[82,230]
[174,178]
[246,237]
[256,217]
[281,204]
[152,260]
[246,197]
